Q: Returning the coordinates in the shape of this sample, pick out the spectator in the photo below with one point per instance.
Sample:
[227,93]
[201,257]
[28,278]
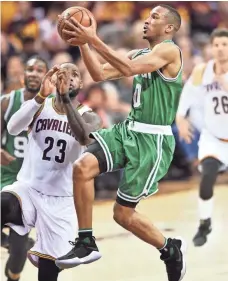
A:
[50,39]
[28,48]
[14,73]
[24,24]
[60,58]
[7,50]
[95,98]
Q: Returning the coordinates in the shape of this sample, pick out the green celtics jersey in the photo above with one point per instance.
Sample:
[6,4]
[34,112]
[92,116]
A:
[155,97]
[14,145]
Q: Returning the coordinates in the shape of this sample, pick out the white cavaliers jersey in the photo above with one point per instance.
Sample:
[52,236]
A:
[215,103]
[51,151]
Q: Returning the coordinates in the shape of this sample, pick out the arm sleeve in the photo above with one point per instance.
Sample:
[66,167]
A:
[23,117]
[188,97]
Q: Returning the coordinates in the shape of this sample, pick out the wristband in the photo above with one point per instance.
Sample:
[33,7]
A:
[42,97]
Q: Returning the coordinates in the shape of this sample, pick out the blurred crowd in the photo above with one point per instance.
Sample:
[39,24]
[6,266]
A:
[29,28]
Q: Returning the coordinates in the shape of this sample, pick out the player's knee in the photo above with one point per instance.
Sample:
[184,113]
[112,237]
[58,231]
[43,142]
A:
[5,207]
[85,168]
[122,215]
[80,170]
[10,209]
[210,166]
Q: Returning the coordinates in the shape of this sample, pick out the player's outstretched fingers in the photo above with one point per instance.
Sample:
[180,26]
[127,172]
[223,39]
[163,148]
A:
[71,33]
[72,24]
[52,71]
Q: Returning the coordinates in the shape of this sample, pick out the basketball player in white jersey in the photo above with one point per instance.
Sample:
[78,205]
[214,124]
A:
[42,196]
[207,92]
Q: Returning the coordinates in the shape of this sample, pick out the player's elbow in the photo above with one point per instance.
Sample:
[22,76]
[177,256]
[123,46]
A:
[84,141]
[12,129]
[97,78]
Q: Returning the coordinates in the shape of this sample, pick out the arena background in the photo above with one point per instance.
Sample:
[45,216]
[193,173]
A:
[29,28]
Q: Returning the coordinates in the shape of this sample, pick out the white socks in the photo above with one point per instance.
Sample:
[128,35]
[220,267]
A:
[205,208]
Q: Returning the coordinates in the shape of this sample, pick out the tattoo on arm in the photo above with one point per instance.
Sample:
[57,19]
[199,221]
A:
[81,126]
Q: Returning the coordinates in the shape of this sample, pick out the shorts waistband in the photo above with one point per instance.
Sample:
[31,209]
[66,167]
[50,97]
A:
[150,129]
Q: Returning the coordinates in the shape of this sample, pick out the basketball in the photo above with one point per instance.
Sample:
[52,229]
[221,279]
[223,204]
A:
[82,15]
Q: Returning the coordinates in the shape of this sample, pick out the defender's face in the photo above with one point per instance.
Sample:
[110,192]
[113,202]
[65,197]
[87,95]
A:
[35,70]
[155,24]
[220,48]
[75,78]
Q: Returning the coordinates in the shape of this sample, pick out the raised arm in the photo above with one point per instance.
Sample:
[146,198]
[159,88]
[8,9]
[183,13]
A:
[81,125]
[160,56]
[21,119]
[98,71]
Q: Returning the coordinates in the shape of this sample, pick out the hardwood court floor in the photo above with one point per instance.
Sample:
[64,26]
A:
[125,258]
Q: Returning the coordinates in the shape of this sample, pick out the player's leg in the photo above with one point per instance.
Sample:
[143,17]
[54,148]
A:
[6,180]
[100,157]
[139,180]
[11,208]
[213,157]
[85,170]
[18,247]
[11,213]
[210,168]
[47,270]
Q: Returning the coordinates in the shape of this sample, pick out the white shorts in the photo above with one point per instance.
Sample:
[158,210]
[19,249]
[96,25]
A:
[54,219]
[209,145]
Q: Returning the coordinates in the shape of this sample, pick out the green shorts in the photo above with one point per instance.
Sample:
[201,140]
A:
[145,158]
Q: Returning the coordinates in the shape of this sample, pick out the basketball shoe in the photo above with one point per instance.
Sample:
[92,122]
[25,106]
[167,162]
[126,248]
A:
[201,236]
[173,256]
[84,251]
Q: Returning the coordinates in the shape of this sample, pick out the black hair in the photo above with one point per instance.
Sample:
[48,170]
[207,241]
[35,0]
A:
[219,32]
[174,16]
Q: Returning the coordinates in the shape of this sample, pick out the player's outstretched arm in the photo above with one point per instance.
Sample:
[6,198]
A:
[98,71]
[160,56]
[81,126]
[21,119]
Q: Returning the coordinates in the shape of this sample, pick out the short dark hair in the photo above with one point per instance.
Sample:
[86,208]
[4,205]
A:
[219,32]
[37,57]
[173,15]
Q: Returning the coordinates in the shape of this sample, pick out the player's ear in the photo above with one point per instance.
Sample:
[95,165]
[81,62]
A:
[81,84]
[169,28]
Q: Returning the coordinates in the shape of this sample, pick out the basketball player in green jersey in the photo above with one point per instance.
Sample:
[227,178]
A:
[12,154]
[143,144]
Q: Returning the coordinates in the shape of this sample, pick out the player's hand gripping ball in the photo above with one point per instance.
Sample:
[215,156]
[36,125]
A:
[77,26]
